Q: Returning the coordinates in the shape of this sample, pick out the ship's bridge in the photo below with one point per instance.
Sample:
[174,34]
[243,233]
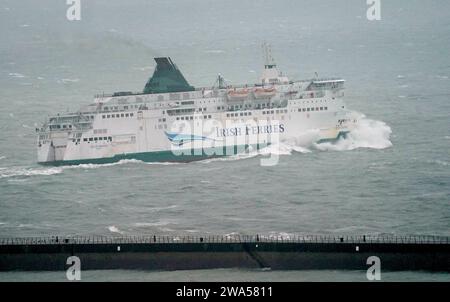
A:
[326,84]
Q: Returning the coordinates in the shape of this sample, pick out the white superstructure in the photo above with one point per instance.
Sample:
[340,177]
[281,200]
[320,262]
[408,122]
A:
[179,123]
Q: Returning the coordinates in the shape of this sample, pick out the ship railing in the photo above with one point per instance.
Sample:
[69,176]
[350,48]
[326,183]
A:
[213,88]
[316,239]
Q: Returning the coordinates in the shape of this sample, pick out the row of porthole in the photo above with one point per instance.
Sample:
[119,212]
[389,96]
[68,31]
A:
[117,115]
[312,109]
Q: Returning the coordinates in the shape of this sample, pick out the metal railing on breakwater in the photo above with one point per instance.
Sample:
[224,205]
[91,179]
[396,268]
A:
[360,239]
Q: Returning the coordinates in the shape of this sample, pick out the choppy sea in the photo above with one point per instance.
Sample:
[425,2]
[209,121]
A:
[390,176]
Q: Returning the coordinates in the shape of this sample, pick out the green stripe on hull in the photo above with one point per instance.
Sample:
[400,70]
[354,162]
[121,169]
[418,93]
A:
[161,156]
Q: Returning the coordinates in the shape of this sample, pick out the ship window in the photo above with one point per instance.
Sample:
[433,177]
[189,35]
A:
[209,116]
[249,113]
[228,115]
[125,107]
[326,108]
[182,118]
[164,119]
[110,138]
[103,116]
[127,115]
[299,110]
[131,114]
[100,138]
[84,139]
[191,117]
[108,116]
[271,111]
[304,109]
[122,115]
[91,139]
[95,138]
[321,108]
[317,108]
[308,109]
[312,109]
[241,114]
[106,108]
[178,118]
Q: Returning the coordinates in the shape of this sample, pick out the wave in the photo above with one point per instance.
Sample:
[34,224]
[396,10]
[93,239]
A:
[95,166]
[371,134]
[6,172]
[20,171]
[439,162]
[67,81]
[16,75]
[114,229]
[368,134]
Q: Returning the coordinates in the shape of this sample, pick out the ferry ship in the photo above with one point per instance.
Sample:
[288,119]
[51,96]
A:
[170,120]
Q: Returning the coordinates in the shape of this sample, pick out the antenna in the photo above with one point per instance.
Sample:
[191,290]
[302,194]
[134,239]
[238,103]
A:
[220,81]
[269,62]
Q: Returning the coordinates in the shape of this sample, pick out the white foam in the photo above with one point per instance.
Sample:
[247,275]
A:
[67,81]
[114,229]
[16,75]
[2,157]
[157,209]
[368,134]
[439,162]
[20,171]
[95,166]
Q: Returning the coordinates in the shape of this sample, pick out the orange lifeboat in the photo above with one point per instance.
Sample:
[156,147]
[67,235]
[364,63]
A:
[237,95]
[261,93]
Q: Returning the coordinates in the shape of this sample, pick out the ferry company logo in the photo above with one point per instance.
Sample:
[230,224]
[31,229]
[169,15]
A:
[179,139]
[199,137]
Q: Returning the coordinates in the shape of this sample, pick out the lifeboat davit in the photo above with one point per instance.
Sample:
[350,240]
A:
[261,93]
[237,94]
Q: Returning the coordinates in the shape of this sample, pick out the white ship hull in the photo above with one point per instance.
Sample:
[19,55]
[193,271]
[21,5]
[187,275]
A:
[192,125]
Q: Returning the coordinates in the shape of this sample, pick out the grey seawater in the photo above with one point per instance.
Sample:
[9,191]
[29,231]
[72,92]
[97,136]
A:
[391,177]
